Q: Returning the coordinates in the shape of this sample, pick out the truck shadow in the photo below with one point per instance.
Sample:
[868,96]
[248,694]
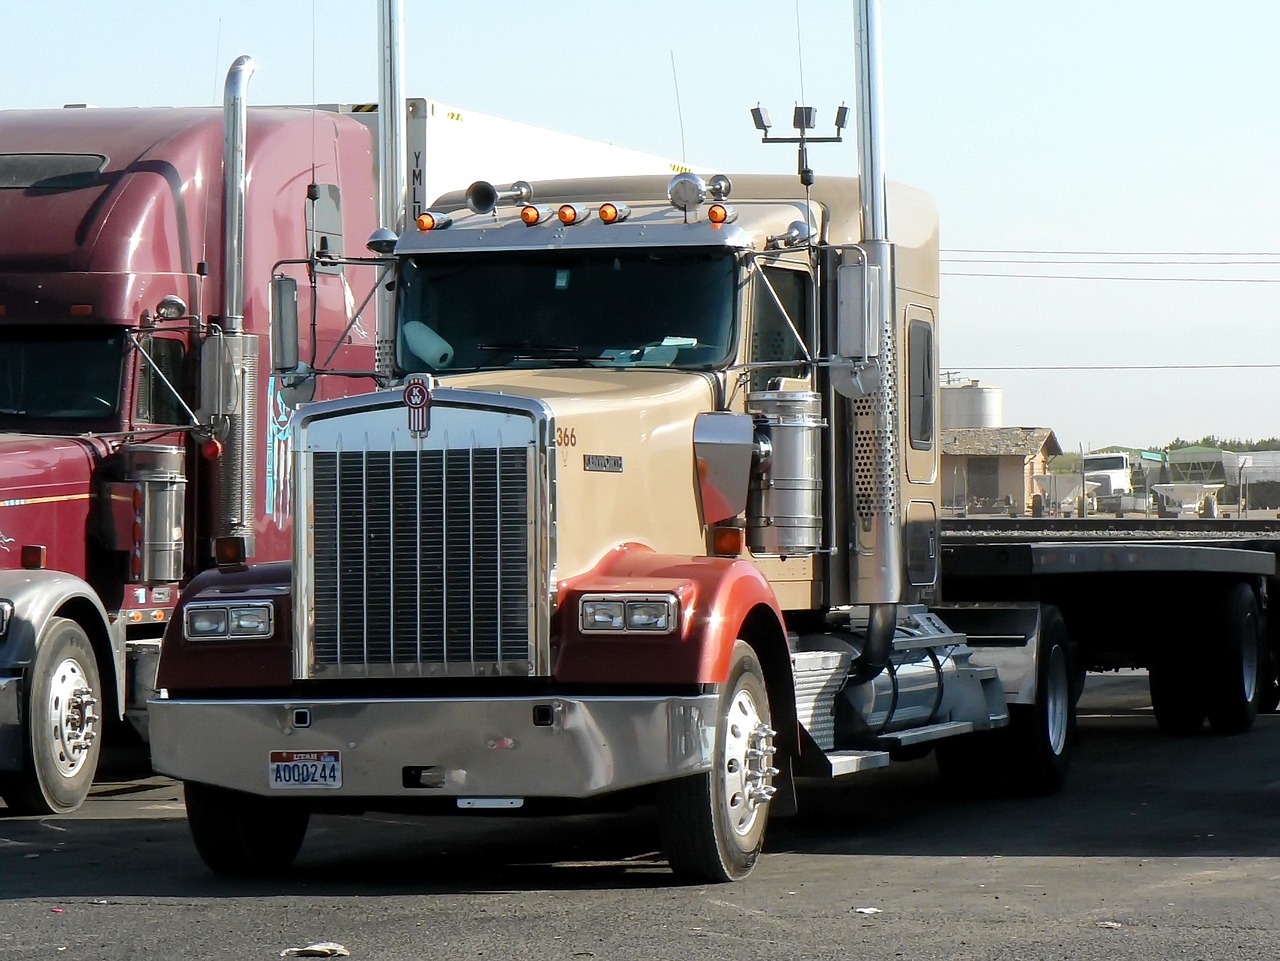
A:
[1131,793]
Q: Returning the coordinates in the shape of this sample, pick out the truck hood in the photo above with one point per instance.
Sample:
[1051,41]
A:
[45,496]
[625,469]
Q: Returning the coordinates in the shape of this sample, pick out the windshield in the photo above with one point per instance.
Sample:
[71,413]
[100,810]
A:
[1111,462]
[60,374]
[640,307]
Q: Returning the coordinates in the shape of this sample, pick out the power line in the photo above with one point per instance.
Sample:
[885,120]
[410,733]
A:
[1114,263]
[1159,280]
[1112,253]
[1028,367]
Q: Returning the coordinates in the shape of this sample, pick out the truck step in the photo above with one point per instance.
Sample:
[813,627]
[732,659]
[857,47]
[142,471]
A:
[932,732]
[850,762]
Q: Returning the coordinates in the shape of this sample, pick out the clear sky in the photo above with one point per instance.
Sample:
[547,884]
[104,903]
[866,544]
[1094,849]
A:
[1090,139]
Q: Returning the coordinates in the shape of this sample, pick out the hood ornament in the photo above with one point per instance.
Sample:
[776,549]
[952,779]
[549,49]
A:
[417,400]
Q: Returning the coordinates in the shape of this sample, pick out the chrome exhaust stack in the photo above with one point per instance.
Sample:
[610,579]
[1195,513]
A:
[875,540]
[229,362]
[393,164]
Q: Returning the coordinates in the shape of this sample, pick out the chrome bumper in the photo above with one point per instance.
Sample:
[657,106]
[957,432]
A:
[466,748]
[13,745]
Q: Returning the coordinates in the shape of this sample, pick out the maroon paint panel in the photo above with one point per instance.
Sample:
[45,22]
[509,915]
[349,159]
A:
[45,498]
[716,594]
[212,665]
[139,231]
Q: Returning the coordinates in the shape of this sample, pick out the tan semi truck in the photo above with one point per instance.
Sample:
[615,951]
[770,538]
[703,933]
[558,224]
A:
[648,514]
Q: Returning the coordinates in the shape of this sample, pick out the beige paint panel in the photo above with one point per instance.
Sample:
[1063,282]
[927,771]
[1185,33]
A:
[642,418]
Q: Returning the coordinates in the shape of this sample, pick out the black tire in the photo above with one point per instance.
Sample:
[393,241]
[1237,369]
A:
[64,725]
[243,835]
[1031,755]
[713,824]
[1042,734]
[1237,660]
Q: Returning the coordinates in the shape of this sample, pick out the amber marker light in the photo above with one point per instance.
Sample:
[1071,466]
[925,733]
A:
[82,310]
[727,541]
[33,557]
[530,214]
[720,214]
[430,221]
[614,213]
[570,214]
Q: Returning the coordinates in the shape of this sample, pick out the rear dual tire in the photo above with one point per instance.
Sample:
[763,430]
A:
[1219,671]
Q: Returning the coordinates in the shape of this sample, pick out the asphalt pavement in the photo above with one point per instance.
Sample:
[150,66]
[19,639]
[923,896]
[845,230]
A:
[1157,848]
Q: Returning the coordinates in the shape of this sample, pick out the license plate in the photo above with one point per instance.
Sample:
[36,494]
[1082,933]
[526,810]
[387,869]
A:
[304,769]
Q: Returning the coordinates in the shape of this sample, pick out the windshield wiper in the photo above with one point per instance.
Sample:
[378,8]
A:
[526,349]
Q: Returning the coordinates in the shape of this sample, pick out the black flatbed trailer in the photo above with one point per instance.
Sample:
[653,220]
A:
[1186,599]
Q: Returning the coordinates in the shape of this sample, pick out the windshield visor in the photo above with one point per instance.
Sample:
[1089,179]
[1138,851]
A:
[601,308]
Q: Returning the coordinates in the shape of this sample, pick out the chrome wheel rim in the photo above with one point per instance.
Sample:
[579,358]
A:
[71,718]
[746,770]
[1056,700]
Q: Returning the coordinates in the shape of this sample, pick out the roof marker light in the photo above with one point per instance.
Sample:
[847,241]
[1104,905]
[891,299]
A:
[433,221]
[612,213]
[721,214]
[573,214]
[534,214]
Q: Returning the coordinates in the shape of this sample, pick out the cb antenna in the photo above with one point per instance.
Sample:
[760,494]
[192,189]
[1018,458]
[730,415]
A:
[679,113]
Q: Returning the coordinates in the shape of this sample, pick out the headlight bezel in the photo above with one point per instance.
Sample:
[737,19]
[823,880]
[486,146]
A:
[6,615]
[233,620]
[631,608]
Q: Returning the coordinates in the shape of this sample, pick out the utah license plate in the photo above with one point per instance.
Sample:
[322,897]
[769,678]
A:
[304,769]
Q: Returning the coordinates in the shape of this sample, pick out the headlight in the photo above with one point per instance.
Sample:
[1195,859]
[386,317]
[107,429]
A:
[6,615]
[628,613]
[209,621]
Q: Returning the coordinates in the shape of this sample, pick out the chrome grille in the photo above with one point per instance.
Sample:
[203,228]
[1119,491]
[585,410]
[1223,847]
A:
[421,561]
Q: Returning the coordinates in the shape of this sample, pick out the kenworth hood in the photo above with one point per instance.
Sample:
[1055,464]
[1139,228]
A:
[625,467]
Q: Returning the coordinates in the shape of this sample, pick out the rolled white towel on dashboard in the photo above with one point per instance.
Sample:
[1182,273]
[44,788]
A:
[427,344]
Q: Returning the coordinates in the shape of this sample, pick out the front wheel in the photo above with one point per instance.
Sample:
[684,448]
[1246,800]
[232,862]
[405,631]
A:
[244,835]
[64,725]
[713,823]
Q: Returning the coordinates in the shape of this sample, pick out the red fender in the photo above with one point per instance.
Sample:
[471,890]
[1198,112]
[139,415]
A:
[716,594]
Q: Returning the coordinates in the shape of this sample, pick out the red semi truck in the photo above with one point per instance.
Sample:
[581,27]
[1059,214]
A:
[136,251]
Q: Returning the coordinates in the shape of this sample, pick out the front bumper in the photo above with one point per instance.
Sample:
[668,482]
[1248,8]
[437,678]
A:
[554,747]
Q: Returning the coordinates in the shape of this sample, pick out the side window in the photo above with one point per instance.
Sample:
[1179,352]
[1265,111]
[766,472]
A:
[771,336]
[921,377]
[156,402]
